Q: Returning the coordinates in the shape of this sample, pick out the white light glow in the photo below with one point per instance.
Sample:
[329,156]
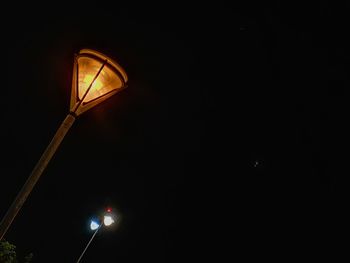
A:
[108,220]
[94,225]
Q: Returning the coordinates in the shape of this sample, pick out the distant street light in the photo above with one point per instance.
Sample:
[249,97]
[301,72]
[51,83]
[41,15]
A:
[95,78]
[107,221]
[94,225]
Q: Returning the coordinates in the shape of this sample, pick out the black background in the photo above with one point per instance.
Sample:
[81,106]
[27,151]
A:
[213,91]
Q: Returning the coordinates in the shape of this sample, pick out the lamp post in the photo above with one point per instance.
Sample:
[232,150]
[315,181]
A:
[95,78]
[107,221]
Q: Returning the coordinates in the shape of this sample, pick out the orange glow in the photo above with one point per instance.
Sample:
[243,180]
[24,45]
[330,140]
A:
[106,81]
[96,77]
[95,88]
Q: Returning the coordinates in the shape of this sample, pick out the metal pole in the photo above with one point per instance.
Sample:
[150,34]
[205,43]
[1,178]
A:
[82,254]
[35,175]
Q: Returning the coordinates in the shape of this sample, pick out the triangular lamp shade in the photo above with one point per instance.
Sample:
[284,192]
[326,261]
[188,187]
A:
[95,78]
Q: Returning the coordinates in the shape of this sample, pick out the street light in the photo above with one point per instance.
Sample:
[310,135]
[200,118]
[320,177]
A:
[94,225]
[107,221]
[96,77]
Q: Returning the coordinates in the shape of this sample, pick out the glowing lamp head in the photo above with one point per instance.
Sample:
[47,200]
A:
[96,77]
[108,220]
[94,225]
[109,209]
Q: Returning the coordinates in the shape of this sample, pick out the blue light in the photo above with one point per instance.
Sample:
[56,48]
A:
[94,225]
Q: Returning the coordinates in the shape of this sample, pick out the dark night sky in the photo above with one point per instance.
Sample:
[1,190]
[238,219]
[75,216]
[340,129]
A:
[212,90]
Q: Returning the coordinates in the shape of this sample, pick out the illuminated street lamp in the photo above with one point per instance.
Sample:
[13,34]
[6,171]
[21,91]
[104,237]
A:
[108,220]
[95,78]
[94,225]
